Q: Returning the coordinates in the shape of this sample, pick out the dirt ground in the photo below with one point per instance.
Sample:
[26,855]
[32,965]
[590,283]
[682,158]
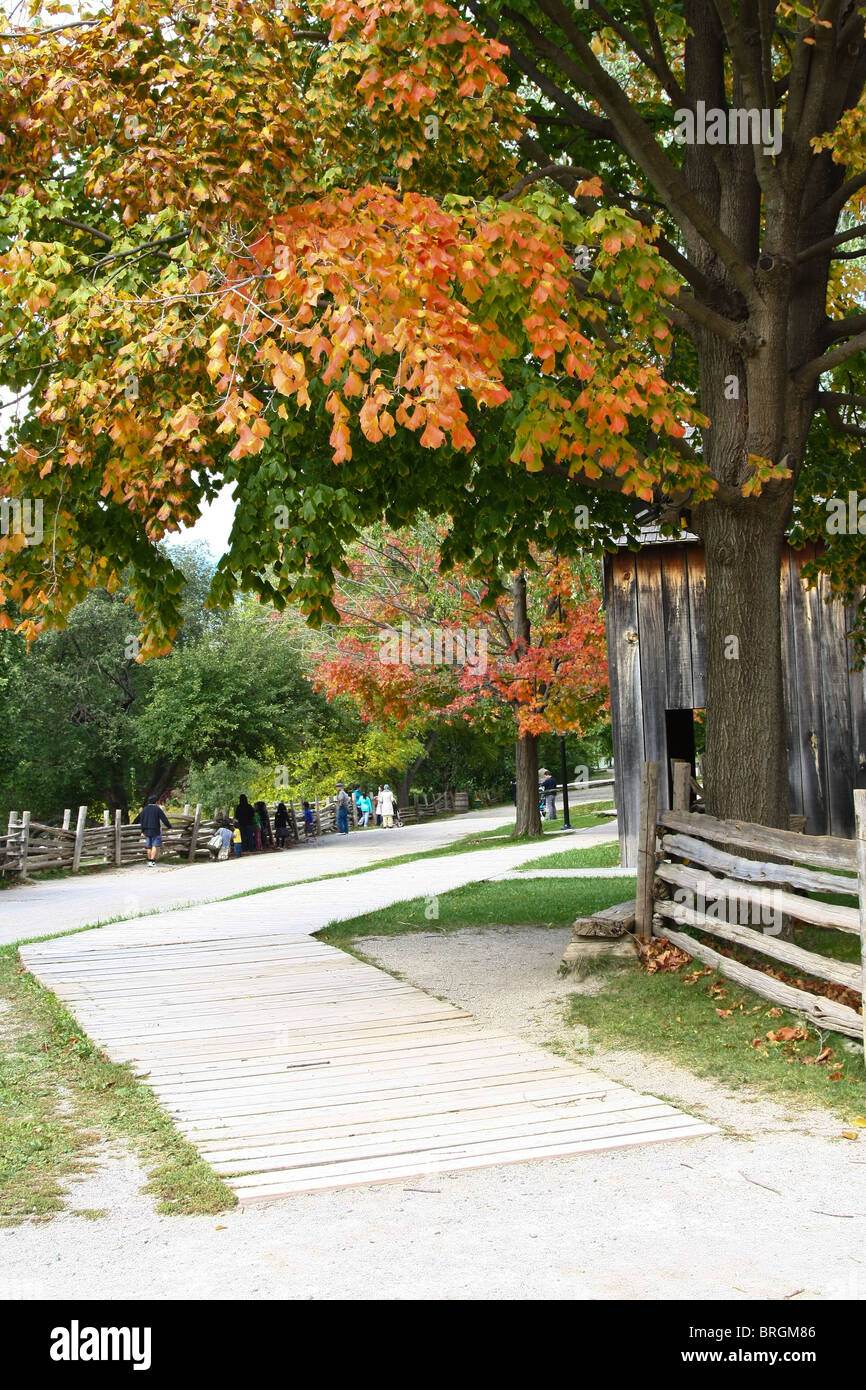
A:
[774,1206]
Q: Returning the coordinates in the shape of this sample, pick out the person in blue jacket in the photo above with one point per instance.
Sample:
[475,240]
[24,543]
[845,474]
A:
[152,818]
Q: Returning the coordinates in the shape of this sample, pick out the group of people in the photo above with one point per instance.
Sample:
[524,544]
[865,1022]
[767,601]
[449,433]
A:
[383,807]
[250,829]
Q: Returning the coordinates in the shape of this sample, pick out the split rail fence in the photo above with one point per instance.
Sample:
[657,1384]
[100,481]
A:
[687,860]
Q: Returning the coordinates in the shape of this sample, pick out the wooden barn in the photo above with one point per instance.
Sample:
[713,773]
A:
[655,601]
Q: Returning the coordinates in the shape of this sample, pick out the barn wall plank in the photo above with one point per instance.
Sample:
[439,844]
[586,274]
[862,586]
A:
[789,678]
[836,703]
[625,697]
[696,570]
[807,690]
[678,646]
[653,676]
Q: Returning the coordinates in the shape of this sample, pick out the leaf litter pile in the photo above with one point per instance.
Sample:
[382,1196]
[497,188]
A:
[660,956]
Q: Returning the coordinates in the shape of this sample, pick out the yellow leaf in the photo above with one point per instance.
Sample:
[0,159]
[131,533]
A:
[850,1134]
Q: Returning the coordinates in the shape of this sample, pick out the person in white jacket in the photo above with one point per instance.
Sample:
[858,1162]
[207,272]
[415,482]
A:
[387,802]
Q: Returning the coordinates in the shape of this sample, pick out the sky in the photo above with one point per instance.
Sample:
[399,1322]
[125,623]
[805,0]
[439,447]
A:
[213,526]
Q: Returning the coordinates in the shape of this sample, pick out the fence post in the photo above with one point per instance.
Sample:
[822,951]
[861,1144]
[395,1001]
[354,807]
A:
[860,813]
[118,836]
[646,848]
[25,841]
[79,838]
[317,825]
[67,816]
[107,827]
[682,774]
[11,827]
[193,843]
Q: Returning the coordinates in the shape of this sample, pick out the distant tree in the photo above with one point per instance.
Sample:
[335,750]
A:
[533,647]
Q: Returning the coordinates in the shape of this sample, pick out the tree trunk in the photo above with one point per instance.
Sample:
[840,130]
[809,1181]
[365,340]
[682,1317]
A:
[163,776]
[746,759]
[116,799]
[528,820]
[411,773]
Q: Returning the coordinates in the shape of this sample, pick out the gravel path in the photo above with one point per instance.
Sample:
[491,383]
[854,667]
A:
[688,1220]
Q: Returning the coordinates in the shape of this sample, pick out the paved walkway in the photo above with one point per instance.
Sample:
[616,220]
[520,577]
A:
[294,1067]
[64,904]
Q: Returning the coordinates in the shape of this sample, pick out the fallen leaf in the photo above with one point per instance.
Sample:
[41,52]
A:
[850,1134]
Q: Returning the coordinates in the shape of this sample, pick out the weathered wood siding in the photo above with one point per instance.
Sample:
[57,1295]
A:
[656,632]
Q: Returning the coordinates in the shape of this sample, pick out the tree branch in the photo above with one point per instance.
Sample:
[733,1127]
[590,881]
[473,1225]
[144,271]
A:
[810,372]
[843,328]
[638,140]
[83,227]
[819,247]
[670,83]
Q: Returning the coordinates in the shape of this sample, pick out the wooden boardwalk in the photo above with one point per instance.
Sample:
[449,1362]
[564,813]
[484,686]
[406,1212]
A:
[294,1067]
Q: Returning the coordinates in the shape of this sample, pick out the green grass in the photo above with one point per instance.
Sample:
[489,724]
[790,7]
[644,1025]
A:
[536,903]
[663,1014]
[825,941]
[59,1095]
[604,856]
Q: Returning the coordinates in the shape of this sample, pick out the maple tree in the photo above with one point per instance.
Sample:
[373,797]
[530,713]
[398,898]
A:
[463,229]
[418,647]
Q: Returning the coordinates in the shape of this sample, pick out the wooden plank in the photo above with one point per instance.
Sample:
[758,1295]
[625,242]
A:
[682,785]
[25,842]
[541,1129]
[621,614]
[822,967]
[821,851]
[856,694]
[79,838]
[820,914]
[824,1012]
[361,1174]
[806,685]
[696,572]
[646,862]
[653,676]
[755,870]
[676,615]
[193,839]
[787,580]
[836,710]
[860,816]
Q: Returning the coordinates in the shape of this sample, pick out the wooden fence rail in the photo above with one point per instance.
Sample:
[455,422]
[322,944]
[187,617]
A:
[689,875]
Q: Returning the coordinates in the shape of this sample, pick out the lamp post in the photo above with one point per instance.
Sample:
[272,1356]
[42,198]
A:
[566,823]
